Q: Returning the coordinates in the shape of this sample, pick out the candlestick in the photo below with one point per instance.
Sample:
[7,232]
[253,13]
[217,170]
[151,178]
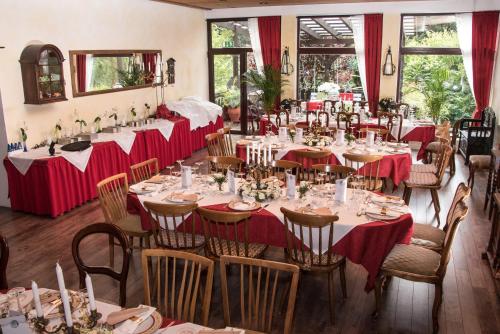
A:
[258,154]
[67,308]
[265,157]
[90,292]
[60,278]
[248,154]
[253,152]
[36,298]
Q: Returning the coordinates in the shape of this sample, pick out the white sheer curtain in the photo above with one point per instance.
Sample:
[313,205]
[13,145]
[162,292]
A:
[358,30]
[464,31]
[253,29]
[89,69]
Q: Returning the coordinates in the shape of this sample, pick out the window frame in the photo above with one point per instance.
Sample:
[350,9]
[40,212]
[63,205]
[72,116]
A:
[316,50]
[424,51]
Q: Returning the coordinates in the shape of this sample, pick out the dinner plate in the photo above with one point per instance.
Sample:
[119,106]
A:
[387,200]
[150,325]
[177,198]
[142,190]
[391,215]
[244,206]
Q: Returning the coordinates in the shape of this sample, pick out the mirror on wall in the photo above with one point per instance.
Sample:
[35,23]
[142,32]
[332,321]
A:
[105,71]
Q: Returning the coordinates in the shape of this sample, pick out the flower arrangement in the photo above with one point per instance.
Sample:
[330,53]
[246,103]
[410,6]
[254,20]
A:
[387,103]
[304,187]
[148,109]
[261,191]
[316,140]
[349,137]
[82,123]
[330,88]
[114,116]
[97,122]
[133,112]
[58,129]
[219,178]
[291,133]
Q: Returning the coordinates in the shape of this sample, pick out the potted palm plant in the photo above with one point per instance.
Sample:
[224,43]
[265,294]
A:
[231,100]
[435,92]
[269,83]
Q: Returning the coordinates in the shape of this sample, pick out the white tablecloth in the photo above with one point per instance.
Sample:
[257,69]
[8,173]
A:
[199,112]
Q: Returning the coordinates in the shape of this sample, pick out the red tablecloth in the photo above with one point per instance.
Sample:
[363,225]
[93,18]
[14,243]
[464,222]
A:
[366,244]
[394,166]
[198,135]
[423,134]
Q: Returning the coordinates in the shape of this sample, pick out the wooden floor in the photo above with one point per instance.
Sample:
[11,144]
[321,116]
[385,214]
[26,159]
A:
[470,305]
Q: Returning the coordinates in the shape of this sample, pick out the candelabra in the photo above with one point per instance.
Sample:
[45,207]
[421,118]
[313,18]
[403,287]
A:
[41,325]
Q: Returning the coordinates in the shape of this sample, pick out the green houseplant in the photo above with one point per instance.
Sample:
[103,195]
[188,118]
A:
[435,92]
[270,84]
[231,100]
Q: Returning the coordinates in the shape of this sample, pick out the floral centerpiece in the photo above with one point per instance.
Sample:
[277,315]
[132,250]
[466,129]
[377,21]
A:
[82,123]
[291,133]
[316,140]
[349,137]
[97,122]
[304,187]
[219,178]
[387,104]
[133,113]
[24,136]
[261,191]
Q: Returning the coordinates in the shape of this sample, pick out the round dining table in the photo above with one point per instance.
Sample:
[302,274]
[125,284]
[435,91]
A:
[363,240]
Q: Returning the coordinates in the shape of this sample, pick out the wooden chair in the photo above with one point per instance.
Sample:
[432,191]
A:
[220,164]
[226,233]
[4,260]
[113,232]
[348,119]
[431,181]
[328,106]
[331,172]
[477,136]
[380,132]
[323,115]
[253,117]
[393,120]
[419,264]
[178,230]
[286,118]
[226,141]
[404,108]
[368,167]
[215,144]
[427,236]
[143,171]
[311,113]
[173,281]
[260,284]
[281,166]
[113,199]
[323,260]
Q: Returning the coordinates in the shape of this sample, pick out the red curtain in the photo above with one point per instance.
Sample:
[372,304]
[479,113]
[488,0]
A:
[484,44]
[270,43]
[373,55]
[149,60]
[81,72]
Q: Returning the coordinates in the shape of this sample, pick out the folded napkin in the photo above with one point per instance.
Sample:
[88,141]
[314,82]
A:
[383,211]
[388,199]
[122,315]
[243,205]
[158,179]
[184,197]
[129,326]
[324,211]
[141,189]
[243,142]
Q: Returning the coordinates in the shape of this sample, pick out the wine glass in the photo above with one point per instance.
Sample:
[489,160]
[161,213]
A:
[170,169]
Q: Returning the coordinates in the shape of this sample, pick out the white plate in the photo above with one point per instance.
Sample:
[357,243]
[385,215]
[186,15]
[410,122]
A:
[150,325]
[243,206]
[385,200]
[141,190]
[176,199]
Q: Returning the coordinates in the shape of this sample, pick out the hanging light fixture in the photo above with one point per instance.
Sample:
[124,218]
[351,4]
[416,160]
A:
[286,67]
[389,67]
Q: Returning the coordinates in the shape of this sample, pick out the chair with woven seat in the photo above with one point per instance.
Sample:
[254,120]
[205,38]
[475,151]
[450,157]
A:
[113,199]
[431,165]
[226,233]
[442,133]
[431,181]
[114,233]
[4,260]
[477,163]
[431,237]
[394,120]
[331,173]
[258,301]
[318,255]
[282,118]
[215,142]
[226,141]
[173,226]
[368,168]
[143,171]
[419,264]
[348,119]
[315,157]
[178,284]
[220,164]
[280,167]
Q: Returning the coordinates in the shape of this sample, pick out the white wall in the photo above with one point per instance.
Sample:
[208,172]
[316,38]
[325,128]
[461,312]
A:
[179,32]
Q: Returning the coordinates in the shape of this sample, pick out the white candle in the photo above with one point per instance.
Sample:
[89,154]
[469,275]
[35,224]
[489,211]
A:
[258,154]
[248,154]
[253,152]
[36,298]
[67,308]
[265,156]
[270,153]
[90,292]
[273,163]
[60,278]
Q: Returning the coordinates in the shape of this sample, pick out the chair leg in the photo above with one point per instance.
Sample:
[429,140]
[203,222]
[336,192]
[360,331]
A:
[342,279]
[378,295]
[470,180]
[452,165]
[438,298]
[437,207]
[407,195]
[331,297]
[111,251]
[148,242]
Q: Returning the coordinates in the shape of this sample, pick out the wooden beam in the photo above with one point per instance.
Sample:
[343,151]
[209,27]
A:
[326,27]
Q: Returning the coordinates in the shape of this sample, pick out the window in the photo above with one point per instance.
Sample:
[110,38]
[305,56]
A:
[230,34]
[327,64]
[432,74]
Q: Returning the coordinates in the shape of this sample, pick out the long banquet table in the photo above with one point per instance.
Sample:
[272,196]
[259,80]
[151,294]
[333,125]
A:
[52,185]
[362,240]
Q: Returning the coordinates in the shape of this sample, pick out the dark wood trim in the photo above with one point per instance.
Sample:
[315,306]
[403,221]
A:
[431,51]
[227,19]
[103,53]
[322,51]
[400,61]
[232,51]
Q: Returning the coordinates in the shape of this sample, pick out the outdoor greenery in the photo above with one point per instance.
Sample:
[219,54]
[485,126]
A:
[269,83]
[436,84]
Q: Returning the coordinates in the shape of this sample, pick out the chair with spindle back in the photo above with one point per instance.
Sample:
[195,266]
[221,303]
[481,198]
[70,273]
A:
[173,282]
[226,141]
[347,118]
[143,171]
[313,157]
[418,264]
[323,118]
[214,144]
[393,120]
[113,199]
[328,106]
[223,163]
[178,230]
[223,235]
[282,118]
[368,167]
[113,232]
[311,117]
[432,158]
[429,180]
[404,108]
[4,260]
[331,172]
[318,255]
[281,166]
[260,284]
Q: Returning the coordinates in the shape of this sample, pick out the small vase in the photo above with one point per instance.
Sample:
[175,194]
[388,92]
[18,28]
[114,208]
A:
[25,147]
[220,186]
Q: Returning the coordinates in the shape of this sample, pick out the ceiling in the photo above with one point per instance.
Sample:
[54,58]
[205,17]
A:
[220,4]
